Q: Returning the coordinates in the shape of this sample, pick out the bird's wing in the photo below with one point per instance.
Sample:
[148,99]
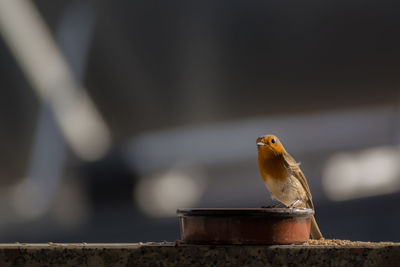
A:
[294,168]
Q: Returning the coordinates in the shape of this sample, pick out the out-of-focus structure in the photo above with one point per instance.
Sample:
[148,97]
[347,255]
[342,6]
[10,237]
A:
[117,113]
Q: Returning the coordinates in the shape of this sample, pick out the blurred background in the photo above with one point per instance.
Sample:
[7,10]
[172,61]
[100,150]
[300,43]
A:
[113,114]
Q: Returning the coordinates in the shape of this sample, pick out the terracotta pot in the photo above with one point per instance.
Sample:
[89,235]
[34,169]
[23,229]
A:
[245,226]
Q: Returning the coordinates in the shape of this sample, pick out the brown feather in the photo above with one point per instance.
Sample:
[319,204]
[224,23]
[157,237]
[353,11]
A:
[295,170]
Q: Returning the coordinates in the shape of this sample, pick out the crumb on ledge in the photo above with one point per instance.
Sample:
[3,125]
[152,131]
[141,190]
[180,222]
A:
[339,242]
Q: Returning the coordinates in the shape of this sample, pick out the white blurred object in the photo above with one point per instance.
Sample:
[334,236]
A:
[235,141]
[30,41]
[27,199]
[160,194]
[67,114]
[370,172]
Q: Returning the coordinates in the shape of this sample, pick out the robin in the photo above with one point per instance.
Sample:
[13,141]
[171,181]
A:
[284,178]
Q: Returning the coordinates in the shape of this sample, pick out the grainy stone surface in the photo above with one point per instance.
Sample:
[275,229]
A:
[170,253]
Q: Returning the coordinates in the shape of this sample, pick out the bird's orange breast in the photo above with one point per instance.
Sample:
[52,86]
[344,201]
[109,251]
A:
[272,167]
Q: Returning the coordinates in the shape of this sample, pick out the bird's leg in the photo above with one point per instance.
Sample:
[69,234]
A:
[291,206]
[272,206]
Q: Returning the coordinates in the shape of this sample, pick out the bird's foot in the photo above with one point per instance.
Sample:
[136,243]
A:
[292,206]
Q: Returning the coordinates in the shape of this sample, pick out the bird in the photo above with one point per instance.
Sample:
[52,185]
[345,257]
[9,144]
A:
[283,177]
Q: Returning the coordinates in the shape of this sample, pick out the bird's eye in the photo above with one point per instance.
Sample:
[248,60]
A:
[273,141]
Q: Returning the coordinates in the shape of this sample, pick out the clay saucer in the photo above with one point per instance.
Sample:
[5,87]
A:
[245,226]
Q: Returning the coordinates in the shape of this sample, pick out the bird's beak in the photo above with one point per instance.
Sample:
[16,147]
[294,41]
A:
[260,144]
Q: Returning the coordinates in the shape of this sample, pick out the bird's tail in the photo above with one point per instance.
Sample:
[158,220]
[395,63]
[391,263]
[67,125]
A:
[315,232]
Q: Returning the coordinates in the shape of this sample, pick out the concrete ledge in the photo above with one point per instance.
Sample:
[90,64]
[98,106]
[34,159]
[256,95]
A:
[170,253]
